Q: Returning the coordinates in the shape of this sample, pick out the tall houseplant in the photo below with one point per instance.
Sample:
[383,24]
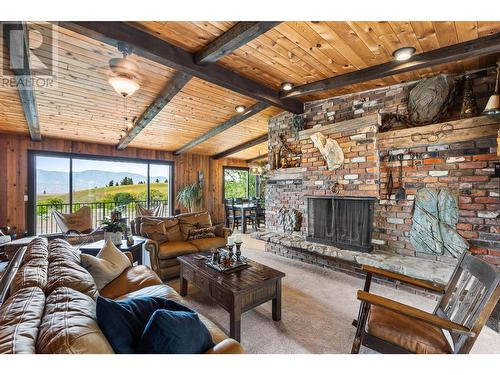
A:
[190,196]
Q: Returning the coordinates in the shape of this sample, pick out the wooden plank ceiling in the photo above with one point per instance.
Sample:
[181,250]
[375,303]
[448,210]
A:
[84,107]
[304,52]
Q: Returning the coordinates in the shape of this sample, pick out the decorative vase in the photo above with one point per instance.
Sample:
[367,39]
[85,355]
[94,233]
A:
[115,237]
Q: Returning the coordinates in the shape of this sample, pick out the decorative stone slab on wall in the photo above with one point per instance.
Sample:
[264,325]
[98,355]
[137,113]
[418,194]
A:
[438,272]
[434,219]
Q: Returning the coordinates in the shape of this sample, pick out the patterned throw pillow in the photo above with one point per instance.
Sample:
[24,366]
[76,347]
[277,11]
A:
[154,229]
[196,234]
[188,222]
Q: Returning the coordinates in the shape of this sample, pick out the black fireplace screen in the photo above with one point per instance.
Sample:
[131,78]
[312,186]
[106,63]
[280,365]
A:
[345,222]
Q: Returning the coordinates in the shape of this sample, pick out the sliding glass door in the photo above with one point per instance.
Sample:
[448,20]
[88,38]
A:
[67,182]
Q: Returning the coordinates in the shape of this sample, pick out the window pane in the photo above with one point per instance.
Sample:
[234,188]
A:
[104,185]
[51,191]
[253,186]
[159,176]
[235,183]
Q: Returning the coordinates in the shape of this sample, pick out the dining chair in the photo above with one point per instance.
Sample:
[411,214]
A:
[232,218]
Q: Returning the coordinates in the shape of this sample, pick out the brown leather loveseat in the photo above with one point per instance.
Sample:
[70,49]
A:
[165,248]
[47,302]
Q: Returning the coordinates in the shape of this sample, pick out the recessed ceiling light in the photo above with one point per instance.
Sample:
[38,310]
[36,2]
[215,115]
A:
[240,108]
[403,53]
[286,86]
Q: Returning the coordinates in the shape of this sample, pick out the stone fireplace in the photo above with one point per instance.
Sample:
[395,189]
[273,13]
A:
[345,222]
[460,161]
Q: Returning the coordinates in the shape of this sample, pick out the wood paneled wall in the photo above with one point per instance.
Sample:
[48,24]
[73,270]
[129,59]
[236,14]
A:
[14,172]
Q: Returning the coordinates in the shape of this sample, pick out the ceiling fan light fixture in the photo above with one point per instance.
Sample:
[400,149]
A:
[240,108]
[404,53]
[286,86]
[124,85]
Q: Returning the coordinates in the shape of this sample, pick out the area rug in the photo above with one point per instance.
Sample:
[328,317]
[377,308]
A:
[318,307]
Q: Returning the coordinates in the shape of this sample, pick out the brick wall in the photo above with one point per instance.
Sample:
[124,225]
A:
[463,165]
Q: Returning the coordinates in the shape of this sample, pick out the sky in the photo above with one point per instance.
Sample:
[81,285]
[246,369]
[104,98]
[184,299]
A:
[79,165]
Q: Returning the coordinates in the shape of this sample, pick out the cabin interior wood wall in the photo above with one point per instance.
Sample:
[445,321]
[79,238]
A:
[14,172]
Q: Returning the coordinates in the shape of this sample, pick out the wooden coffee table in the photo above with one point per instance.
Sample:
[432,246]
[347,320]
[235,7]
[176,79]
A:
[236,292]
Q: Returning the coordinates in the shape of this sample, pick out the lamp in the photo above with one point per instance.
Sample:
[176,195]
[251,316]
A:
[493,105]
[240,108]
[286,86]
[124,85]
[403,53]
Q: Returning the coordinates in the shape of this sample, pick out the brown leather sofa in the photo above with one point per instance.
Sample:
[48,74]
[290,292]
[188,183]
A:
[163,255]
[48,303]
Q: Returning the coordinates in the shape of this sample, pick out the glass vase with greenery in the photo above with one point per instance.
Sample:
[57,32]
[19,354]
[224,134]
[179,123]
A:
[190,196]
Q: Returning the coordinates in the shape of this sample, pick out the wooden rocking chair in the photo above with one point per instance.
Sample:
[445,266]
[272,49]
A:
[467,301]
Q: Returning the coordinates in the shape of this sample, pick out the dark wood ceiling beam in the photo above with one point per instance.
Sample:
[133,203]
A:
[257,158]
[253,142]
[16,37]
[162,52]
[256,108]
[178,81]
[462,51]
[236,37]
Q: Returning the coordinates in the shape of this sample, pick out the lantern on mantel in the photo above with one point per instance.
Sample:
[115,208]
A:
[493,105]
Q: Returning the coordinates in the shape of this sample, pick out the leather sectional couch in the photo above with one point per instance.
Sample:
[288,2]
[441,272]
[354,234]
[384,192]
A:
[163,255]
[47,302]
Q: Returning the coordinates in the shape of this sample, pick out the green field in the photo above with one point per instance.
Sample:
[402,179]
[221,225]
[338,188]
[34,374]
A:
[106,193]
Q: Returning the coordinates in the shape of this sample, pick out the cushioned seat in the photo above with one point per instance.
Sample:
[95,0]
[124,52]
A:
[411,334]
[205,244]
[173,249]
[130,280]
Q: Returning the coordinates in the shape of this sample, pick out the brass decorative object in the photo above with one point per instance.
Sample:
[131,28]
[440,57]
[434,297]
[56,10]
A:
[469,106]
[493,105]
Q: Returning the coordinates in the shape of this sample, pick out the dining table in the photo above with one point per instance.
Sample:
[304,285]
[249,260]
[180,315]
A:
[244,208]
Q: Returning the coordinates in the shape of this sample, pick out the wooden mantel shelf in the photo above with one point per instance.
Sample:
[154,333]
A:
[287,174]
[463,130]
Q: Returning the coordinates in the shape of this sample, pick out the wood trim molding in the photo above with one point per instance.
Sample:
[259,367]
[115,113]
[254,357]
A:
[178,81]
[233,150]
[236,37]
[256,108]
[162,52]
[18,46]
[461,51]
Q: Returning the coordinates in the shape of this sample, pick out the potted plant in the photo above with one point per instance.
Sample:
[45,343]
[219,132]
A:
[113,227]
[190,196]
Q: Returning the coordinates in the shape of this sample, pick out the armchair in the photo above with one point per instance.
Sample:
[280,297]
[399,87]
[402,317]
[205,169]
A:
[465,305]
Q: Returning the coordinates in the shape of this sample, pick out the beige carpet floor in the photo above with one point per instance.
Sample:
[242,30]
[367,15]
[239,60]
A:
[318,307]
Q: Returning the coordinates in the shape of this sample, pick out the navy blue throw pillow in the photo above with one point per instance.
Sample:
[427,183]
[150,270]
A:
[175,332]
[123,322]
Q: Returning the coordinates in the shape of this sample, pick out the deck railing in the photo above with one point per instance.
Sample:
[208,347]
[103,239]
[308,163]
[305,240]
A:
[45,223]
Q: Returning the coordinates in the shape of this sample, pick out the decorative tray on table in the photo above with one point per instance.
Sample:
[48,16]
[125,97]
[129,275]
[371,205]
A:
[218,261]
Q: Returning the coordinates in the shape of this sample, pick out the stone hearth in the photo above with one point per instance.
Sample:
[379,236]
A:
[293,245]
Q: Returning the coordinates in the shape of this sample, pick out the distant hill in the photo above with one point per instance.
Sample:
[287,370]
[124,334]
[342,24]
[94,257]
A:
[54,182]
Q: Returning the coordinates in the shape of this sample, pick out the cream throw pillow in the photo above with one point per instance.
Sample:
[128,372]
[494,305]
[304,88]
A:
[107,265]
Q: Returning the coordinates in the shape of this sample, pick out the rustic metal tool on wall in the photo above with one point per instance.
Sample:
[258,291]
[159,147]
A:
[401,193]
